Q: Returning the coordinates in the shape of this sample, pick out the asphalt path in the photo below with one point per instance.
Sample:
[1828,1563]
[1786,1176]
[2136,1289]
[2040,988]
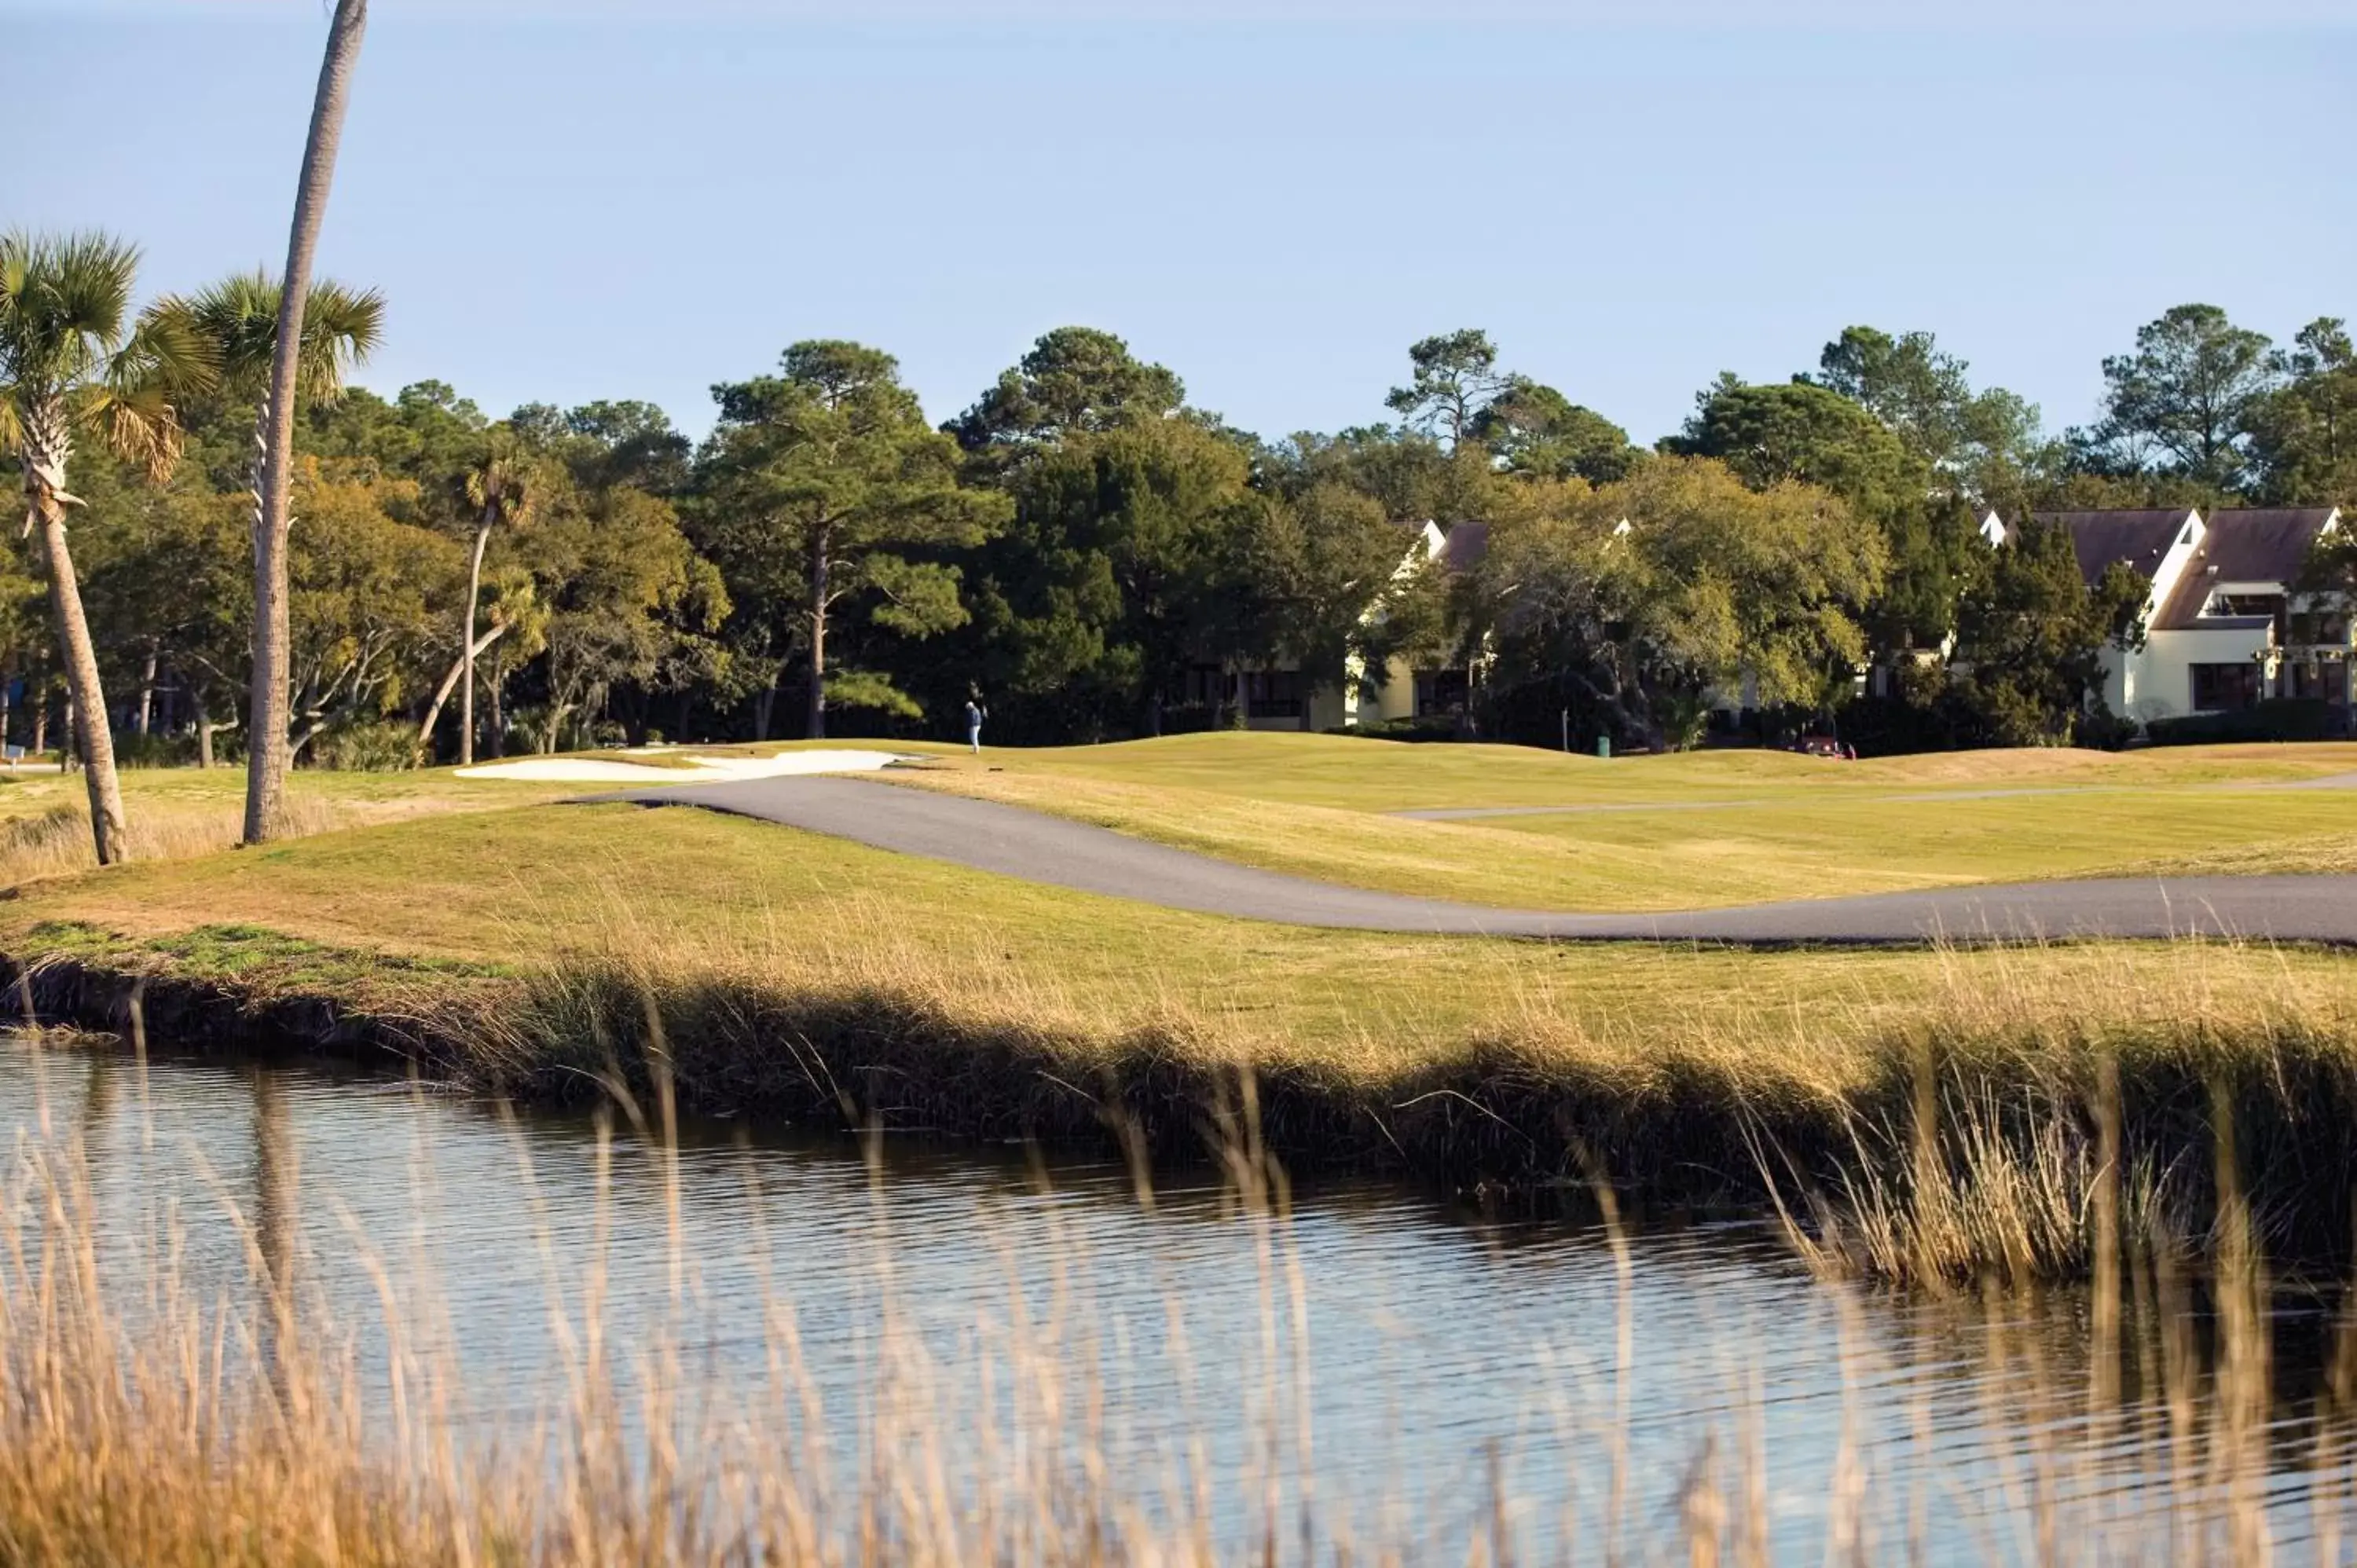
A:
[1012,842]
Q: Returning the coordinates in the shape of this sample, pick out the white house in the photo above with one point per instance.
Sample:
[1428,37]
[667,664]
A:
[1282,697]
[2223,628]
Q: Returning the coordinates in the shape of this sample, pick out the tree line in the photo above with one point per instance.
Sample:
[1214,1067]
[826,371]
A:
[1082,547]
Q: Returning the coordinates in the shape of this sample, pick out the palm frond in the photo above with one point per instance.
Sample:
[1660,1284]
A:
[90,281]
[141,425]
[167,351]
[342,326]
[63,304]
[239,315]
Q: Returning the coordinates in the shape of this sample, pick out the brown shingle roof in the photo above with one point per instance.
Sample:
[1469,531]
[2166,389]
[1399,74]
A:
[1467,543]
[2248,544]
[2140,538]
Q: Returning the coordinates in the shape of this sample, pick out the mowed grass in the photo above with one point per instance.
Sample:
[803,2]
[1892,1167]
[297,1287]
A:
[1378,775]
[688,892]
[1690,832]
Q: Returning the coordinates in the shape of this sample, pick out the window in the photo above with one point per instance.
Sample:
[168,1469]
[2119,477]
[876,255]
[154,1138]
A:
[2269,605]
[1439,692]
[2320,626]
[2326,678]
[1272,694]
[2220,687]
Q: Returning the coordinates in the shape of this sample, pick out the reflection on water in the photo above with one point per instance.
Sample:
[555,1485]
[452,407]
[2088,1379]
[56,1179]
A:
[1427,1366]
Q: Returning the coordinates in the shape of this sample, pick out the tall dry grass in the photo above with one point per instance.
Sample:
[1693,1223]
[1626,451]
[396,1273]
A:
[150,1415]
[1959,1135]
[56,842]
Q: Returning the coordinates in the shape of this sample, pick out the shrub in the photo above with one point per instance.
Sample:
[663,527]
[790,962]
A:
[133,749]
[2103,730]
[389,747]
[2277,718]
[1438,727]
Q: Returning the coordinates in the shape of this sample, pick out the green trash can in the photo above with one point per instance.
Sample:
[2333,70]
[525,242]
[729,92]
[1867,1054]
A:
[1604,746]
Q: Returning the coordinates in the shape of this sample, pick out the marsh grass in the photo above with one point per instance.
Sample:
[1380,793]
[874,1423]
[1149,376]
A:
[1976,1134]
[152,1412]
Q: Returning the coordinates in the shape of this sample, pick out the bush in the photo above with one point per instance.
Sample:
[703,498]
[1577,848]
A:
[2277,718]
[1441,726]
[1190,718]
[387,747]
[1891,726]
[133,749]
[2103,730]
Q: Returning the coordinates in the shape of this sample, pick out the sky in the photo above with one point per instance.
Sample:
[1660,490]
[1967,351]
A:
[572,199]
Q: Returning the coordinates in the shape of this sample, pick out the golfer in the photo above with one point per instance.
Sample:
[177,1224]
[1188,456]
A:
[975,713]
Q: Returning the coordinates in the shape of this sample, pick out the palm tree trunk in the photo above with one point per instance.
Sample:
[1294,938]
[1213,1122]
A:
[499,716]
[450,679]
[268,755]
[97,742]
[467,647]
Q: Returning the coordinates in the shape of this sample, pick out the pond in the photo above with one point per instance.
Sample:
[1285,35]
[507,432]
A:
[1377,1365]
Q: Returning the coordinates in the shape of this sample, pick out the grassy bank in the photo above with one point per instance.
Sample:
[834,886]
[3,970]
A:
[542,948]
[1675,833]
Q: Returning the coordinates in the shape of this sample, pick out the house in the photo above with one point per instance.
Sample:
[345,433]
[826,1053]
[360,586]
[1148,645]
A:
[1283,697]
[2225,628]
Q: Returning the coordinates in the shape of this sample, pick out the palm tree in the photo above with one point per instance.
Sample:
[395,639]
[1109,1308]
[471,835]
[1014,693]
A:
[500,488]
[239,316]
[74,362]
[268,753]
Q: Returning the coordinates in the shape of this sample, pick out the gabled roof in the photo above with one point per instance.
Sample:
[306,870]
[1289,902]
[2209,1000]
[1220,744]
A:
[2247,544]
[1467,543]
[2140,538]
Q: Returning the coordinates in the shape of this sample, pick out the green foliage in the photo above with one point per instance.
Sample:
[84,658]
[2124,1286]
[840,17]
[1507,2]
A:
[1535,429]
[1454,378]
[1099,559]
[1106,585]
[383,746]
[1983,445]
[1711,584]
[238,316]
[2190,396]
[77,362]
[1806,434]
[2275,719]
[2304,434]
[2032,639]
[369,592]
[825,498]
[1076,380]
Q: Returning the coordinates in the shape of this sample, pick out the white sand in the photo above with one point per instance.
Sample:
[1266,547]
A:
[707,769]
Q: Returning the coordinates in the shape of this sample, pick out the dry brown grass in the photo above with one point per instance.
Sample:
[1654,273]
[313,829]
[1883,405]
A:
[56,842]
[1708,1097]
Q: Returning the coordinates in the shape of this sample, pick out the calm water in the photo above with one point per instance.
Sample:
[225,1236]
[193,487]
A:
[1450,1358]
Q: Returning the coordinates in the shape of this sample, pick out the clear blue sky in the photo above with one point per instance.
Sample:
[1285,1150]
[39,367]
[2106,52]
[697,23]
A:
[639,198]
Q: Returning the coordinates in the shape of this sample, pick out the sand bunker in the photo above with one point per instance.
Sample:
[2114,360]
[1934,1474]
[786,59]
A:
[679,768]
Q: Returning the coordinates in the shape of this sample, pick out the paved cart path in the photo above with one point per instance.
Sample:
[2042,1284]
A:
[1014,842]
